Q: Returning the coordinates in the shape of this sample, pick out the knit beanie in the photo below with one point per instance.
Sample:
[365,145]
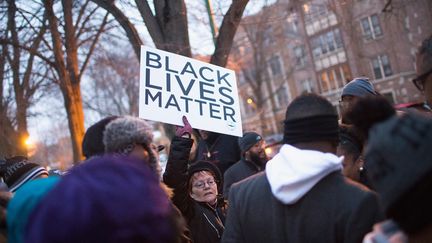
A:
[358,87]
[23,203]
[399,166]
[17,170]
[248,140]
[93,138]
[107,199]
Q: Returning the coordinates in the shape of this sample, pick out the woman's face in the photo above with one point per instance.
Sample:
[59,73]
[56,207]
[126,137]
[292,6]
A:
[203,187]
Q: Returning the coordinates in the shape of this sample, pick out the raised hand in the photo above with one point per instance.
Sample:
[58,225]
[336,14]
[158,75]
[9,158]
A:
[184,130]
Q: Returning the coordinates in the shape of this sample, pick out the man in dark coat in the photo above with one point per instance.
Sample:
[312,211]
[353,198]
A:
[302,196]
[253,160]
[220,149]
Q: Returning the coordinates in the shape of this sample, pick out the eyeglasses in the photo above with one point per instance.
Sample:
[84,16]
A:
[420,80]
[201,184]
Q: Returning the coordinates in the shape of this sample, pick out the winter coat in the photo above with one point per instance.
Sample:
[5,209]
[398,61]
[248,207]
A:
[301,197]
[205,223]
[239,171]
[223,150]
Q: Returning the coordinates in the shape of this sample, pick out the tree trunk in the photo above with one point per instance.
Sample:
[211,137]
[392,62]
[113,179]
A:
[68,75]
[21,104]
[73,104]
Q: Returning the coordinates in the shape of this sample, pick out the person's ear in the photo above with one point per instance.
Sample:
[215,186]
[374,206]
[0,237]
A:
[192,195]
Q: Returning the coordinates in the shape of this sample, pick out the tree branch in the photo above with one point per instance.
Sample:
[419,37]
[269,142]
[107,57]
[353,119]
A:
[93,45]
[125,23]
[150,21]
[81,12]
[227,31]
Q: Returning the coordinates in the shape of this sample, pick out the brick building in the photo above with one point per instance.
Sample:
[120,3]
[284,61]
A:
[292,47]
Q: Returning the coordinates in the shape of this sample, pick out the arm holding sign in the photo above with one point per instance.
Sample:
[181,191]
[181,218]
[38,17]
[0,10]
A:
[176,175]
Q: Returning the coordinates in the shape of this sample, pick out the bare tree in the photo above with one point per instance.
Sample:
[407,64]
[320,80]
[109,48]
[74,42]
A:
[114,86]
[168,26]
[252,54]
[22,72]
[67,65]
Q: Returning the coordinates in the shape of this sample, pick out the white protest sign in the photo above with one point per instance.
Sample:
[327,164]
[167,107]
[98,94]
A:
[172,86]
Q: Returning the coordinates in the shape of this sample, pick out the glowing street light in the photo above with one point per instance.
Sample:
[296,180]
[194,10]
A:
[306,8]
[29,142]
[249,101]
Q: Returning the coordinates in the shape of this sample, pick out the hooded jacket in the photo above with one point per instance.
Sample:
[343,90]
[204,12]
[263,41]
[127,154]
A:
[301,197]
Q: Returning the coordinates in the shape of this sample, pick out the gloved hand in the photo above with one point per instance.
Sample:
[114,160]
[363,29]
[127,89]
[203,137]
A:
[184,130]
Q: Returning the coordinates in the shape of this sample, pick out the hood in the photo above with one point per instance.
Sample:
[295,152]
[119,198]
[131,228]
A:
[293,172]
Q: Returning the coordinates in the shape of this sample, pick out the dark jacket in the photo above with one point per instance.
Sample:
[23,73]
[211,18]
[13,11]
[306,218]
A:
[334,210]
[223,149]
[239,171]
[205,223]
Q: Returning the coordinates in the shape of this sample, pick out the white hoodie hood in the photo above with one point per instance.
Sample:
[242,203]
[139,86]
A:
[293,172]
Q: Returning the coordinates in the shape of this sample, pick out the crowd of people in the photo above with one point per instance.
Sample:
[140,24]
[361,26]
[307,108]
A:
[362,176]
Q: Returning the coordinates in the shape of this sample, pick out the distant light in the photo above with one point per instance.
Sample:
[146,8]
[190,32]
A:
[29,142]
[306,8]
[268,151]
[249,101]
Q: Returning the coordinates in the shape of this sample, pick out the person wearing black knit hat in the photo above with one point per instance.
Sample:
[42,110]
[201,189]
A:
[196,189]
[254,159]
[302,195]
[93,138]
[16,171]
[400,168]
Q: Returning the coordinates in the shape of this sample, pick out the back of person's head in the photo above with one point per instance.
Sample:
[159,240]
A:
[310,118]
[107,199]
[369,111]
[23,203]
[358,87]
[16,171]
[93,138]
[399,165]
[124,133]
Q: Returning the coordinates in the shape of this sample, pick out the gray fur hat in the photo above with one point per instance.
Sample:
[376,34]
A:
[122,133]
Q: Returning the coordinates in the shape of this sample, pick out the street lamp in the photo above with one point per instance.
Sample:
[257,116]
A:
[29,142]
[251,102]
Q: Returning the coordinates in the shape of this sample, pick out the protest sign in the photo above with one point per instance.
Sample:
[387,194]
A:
[172,85]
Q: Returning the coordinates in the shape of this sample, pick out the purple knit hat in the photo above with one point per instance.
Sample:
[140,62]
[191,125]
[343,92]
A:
[106,199]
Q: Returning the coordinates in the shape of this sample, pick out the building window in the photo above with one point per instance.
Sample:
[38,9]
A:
[282,96]
[335,77]
[300,55]
[326,43]
[381,67]
[371,27]
[305,86]
[275,66]
[267,36]
[291,26]
[389,96]
[314,11]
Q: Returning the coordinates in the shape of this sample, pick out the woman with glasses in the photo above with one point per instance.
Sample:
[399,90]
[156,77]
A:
[196,189]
